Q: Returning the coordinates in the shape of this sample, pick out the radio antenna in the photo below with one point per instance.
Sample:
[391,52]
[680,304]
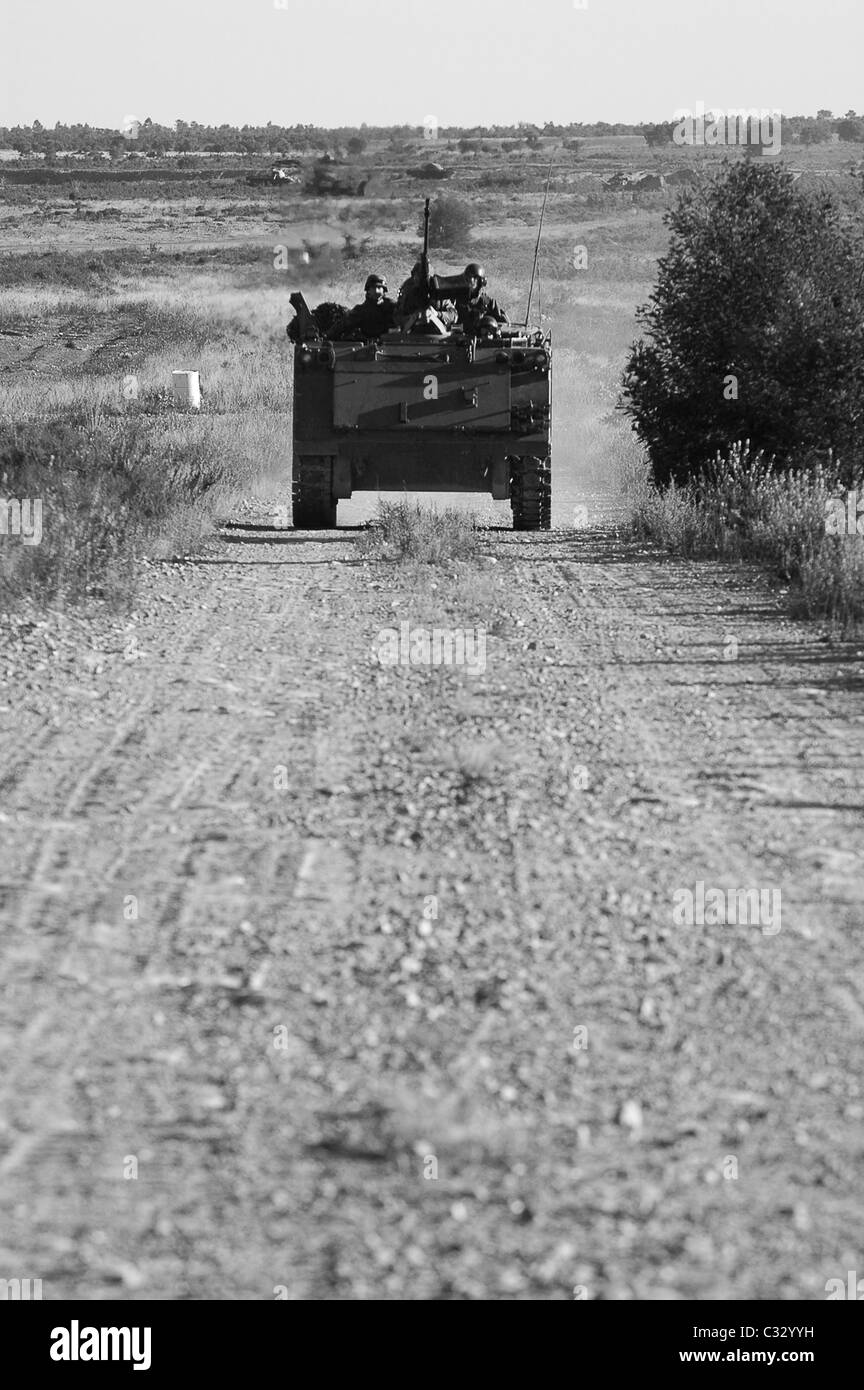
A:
[537,248]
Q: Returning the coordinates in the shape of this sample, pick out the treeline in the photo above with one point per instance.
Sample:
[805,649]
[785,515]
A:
[149,138]
[796,130]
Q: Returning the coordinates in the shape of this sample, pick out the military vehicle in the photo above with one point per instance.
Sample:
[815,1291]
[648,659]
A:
[424,408]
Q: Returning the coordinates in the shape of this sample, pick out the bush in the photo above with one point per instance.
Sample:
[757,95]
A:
[659,134]
[107,491]
[755,330]
[851,130]
[502,179]
[406,531]
[450,223]
[739,509]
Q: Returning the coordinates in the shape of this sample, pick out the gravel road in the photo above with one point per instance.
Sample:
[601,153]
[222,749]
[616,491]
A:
[325,979]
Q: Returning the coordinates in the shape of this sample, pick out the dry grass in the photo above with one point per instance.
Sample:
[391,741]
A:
[408,533]
[119,477]
[238,304]
[740,510]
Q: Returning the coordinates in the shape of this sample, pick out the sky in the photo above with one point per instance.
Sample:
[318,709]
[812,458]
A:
[394,62]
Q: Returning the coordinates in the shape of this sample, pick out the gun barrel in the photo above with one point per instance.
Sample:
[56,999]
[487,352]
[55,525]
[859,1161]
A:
[307,328]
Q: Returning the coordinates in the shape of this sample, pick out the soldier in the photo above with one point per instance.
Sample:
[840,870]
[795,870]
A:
[411,297]
[413,302]
[479,305]
[375,316]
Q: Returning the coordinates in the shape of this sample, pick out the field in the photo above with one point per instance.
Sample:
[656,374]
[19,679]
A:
[133,279]
[92,329]
[333,980]
[81,333]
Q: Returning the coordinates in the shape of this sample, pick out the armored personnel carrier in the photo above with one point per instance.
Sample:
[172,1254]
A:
[424,408]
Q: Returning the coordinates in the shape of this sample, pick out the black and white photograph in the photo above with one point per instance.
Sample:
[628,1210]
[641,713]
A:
[432,665]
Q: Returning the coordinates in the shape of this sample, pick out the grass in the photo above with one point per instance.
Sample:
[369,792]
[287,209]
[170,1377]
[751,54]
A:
[108,492]
[407,532]
[224,311]
[101,270]
[739,509]
[120,478]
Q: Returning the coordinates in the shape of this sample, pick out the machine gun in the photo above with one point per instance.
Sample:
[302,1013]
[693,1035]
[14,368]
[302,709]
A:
[423,317]
[425,277]
[304,328]
[436,288]
[430,285]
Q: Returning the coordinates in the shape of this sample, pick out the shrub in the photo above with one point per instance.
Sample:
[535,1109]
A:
[755,329]
[406,531]
[450,223]
[739,509]
[502,179]
[353,250]
[107,490]
[659,134]
[851,130]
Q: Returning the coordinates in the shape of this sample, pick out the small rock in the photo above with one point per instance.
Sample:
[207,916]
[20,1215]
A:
[630,1116]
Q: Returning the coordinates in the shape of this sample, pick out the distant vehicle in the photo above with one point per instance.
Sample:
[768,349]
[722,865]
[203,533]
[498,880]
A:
[635,183]
[429,410]
[430,171]
[279,174]
[647,183]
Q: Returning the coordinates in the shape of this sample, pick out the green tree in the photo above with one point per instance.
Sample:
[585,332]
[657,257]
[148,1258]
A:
[755,328]
[851,129]
[450,222]
[660,134]
[816,132]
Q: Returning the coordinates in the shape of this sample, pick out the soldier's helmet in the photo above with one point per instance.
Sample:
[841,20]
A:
[374,280]
[475,272]
[489,327]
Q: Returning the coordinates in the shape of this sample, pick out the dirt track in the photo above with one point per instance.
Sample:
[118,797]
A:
[176,900]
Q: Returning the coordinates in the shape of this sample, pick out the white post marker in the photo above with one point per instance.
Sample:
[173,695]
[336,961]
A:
[187,389]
